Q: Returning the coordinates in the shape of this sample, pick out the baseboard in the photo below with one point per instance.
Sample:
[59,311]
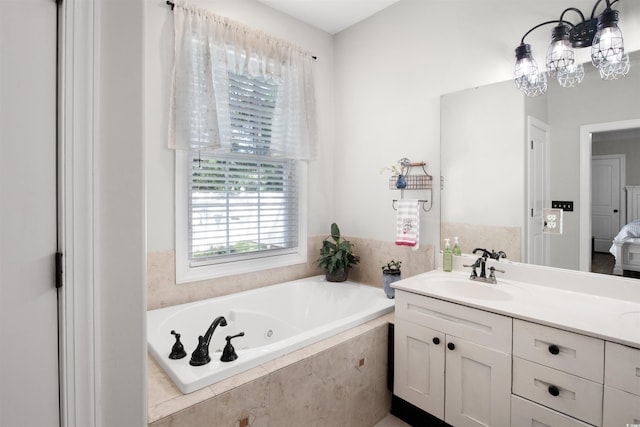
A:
[413,415]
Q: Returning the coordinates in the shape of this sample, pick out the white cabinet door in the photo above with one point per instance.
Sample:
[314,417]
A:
[478,385]
[419,366]
[620,408]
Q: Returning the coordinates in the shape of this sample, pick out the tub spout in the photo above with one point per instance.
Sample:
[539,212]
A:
[200,355]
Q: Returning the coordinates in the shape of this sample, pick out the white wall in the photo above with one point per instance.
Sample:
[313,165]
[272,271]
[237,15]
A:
[629,147]
[473,156]
[390,73]
[159,60]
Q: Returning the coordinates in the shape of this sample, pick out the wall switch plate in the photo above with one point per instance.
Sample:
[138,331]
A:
[552,221]
[565,206]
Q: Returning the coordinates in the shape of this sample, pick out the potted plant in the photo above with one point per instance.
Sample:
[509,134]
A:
[391,273]
[336,256]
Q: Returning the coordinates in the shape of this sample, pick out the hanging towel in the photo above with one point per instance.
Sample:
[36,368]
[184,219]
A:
[408,223]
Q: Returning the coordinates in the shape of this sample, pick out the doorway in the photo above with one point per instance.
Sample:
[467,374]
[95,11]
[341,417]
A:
[585,205]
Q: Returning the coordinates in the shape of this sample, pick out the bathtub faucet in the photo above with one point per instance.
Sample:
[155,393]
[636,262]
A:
[200,355]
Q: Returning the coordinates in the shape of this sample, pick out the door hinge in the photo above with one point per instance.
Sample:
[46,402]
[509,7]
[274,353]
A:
[441,182]
[532,144]
[59,270]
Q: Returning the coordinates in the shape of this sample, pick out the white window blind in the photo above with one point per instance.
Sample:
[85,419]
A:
[244,204]
[241,207]
[251,102]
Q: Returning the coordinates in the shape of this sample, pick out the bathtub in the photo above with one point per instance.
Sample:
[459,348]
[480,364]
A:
[276,320]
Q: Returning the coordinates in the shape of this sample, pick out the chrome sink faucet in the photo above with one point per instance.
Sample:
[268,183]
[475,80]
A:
[481,262]
[200,355]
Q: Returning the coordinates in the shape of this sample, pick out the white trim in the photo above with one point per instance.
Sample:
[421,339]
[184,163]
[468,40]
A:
[186,273]
[79,389]
[585,183]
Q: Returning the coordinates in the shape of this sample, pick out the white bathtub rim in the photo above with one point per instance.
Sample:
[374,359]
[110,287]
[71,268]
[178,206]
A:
[189,379]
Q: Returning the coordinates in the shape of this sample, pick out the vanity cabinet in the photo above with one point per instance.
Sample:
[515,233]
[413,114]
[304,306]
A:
[560,370]
[621,385]
[453,361]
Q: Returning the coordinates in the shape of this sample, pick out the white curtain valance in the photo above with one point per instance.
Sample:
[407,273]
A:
[214,54]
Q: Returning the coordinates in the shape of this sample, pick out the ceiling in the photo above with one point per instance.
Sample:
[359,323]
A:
[331,16]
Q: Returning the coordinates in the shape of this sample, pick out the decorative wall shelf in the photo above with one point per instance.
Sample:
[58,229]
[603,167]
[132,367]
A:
[413,181]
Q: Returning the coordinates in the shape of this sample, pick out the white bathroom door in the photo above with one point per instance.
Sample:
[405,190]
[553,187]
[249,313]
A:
[29,392]
[606,187]
[538,141]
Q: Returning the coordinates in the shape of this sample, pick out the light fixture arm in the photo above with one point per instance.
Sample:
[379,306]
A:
[555,21]
[595,6]
[573,9]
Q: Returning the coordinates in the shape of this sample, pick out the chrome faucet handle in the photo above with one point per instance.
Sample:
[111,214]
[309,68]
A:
[497,255]
[473,266]
[492,269]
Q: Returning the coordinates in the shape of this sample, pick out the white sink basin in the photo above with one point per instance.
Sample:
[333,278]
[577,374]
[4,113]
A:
[466,288]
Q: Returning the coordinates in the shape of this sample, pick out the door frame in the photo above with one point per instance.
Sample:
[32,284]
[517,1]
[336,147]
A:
[78,318]
[585,183]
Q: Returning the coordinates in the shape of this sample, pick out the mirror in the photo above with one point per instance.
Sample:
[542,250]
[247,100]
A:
[505,157]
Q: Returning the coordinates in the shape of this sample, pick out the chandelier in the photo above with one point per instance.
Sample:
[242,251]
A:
[601,33]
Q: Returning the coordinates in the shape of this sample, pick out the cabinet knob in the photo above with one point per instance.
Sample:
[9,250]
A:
[554,349]
[436,340]
[553,390]
[451,346]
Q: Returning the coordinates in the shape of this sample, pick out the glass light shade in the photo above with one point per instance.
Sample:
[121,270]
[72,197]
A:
[560,54]
[527,76]
[571,76]
[608,44]
[532,84]
[614,70]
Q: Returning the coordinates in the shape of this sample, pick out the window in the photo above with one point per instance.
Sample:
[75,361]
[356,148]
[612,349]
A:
[242,121]
[242,208]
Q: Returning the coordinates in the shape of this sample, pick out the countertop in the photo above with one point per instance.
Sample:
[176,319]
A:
[601,306]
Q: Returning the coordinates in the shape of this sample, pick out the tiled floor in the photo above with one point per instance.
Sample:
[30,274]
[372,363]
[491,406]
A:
[391,421]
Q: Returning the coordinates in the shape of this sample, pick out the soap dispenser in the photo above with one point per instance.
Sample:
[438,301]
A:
[447,256]
[456,247]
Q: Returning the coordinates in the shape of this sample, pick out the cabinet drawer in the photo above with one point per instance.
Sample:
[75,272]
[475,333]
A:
[576,396]
[563,350]
[481,327]
[622,368]
[620,408]
[527,413]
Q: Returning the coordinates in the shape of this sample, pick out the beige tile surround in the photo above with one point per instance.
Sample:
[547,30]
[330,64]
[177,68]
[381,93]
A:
[491,237]
[162,290]
[319,385]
